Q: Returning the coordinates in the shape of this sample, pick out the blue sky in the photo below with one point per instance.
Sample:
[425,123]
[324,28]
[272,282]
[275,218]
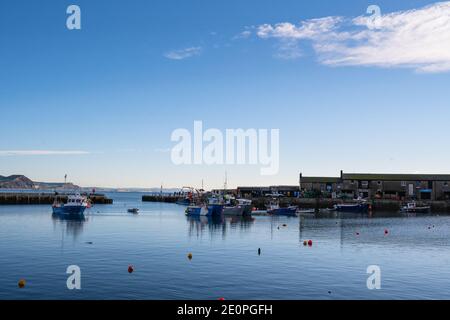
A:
[112,93]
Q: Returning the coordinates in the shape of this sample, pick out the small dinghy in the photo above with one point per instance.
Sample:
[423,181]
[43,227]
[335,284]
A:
[133,210]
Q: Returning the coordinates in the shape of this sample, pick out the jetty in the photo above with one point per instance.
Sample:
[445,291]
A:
[315,203]
[28,198]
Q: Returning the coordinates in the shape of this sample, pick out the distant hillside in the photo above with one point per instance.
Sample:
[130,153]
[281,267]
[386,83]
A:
[22,182]
[55,186]
[16,182]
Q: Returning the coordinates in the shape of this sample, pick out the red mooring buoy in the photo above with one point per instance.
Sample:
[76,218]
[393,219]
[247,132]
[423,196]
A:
[386,231]
[21,283]
[130,269]
[310,243]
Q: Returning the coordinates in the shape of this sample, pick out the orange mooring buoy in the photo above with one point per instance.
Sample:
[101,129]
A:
[189,256]
[130,269]
[305,243]
[21,283]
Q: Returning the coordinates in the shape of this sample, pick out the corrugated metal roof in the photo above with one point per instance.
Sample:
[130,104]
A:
[319,179]
[268,188]
[396,177]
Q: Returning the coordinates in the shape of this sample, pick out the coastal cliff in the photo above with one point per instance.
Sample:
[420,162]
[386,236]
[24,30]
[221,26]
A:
[20,182]
[16,182]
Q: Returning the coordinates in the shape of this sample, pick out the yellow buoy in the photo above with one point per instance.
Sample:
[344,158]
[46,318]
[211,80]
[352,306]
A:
[21,283]
[189,256]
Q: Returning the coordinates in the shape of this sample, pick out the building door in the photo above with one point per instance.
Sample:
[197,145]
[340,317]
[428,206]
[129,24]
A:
[411,190]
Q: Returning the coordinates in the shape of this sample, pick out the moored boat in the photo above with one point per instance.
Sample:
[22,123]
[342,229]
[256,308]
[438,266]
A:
[359,207]
[197,211]
[75,206]
[133,210]
[233,210]
[306,211]
[413,207]
[276,210]
[247,204]
[215,206]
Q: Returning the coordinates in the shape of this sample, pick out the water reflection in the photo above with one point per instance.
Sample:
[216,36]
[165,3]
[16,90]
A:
[71,225]
[217,225]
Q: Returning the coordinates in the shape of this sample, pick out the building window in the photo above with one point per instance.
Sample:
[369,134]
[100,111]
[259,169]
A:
[445,184]
[403,184]
[379,183]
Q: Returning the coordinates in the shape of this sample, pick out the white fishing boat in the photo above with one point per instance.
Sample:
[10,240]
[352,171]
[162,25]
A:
[276,210]
[413,207]
[247,204]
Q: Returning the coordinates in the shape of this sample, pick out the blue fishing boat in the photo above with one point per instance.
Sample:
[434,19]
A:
[75,206]
[215,206]
[197,211]
[277,211]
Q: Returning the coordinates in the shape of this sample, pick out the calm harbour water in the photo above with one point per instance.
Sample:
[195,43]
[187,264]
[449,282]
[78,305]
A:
[414,257]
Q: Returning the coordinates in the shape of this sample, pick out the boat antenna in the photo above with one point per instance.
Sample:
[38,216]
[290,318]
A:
[226,182]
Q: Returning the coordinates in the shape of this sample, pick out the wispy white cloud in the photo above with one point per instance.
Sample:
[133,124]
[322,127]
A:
[9,153]
[243,35]
[308,29]
[417,39]
[183,53]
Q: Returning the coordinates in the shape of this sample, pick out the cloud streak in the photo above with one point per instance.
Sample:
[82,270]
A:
[11,153]
[418,39]
[183,53]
